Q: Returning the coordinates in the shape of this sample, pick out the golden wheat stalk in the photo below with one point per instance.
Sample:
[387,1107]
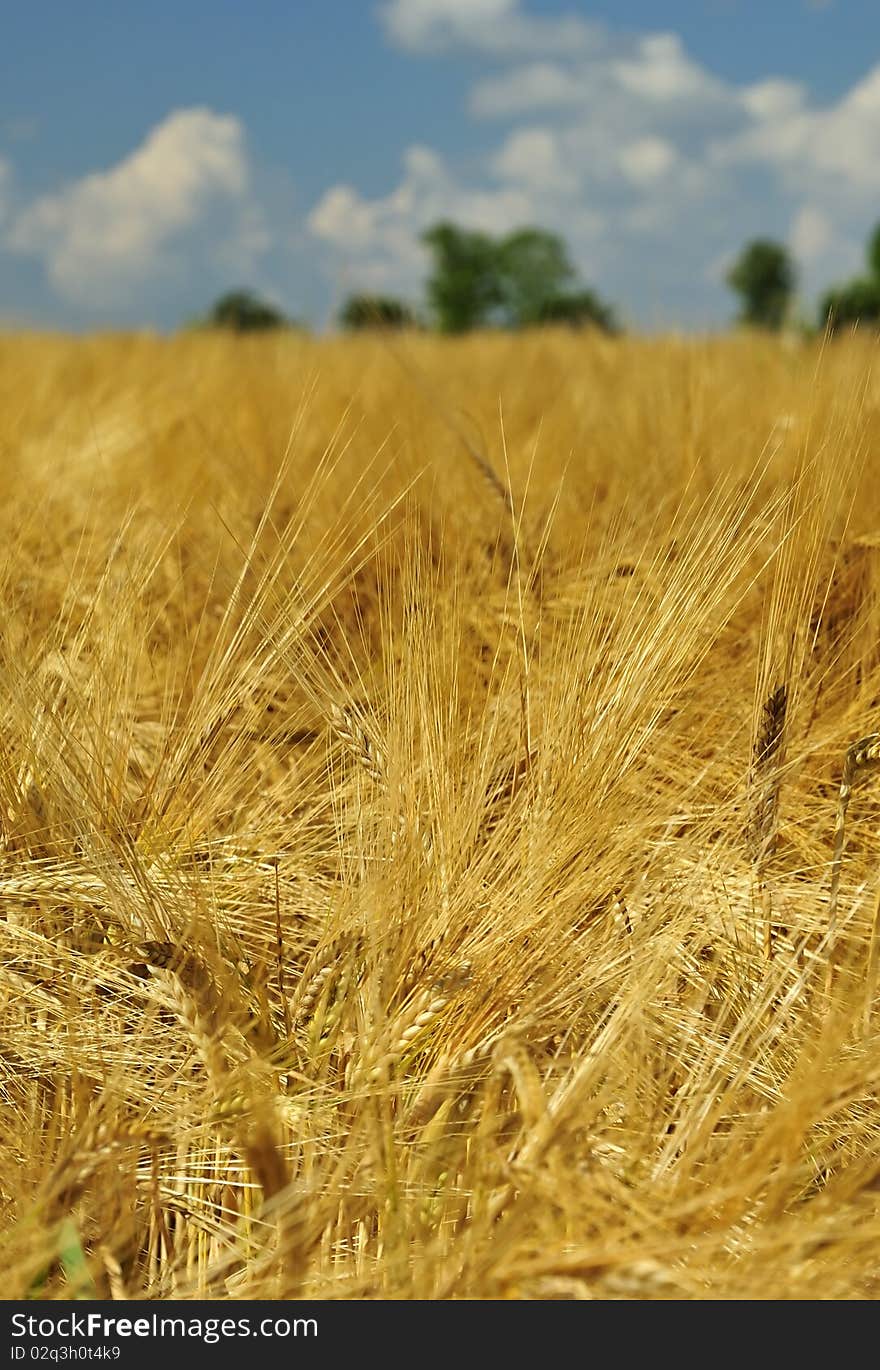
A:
[860,760]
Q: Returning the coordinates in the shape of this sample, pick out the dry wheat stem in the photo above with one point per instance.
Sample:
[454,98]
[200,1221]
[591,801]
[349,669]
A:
[861,758]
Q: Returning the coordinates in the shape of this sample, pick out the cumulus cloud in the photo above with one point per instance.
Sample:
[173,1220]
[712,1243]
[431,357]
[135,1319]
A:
[661,71]
[773,99]
[825,247]
[648,160]
[833,147]
[643,83]
[378,239]
[532,157]
[534,86]
[102,235]
[811,234]
[497,27]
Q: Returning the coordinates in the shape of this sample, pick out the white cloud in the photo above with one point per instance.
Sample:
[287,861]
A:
[825,246]
[343,218]
[386,227]
[811,234]
[498,27]
[648,160]
[773,99]
[427,192]
[538,85]
[639,81]
[661,70]
[832,148]
[532,157]
[102,234]
[377,241]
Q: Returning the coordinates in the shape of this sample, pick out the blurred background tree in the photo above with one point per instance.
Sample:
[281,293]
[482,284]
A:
[764,277]
[463,288]
[533,267]
[847,306]
[244,312]
[579,309]
[376,311]
[516,281]
[857,302]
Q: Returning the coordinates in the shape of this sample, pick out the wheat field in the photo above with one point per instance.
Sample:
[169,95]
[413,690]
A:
[439,841]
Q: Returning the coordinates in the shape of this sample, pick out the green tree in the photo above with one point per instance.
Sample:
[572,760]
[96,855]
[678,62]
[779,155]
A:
[847,306]
[579,309]
[244,312]
[764,277]
[375,311]
[533,268]
[514,281]
[464,285]
[857,301]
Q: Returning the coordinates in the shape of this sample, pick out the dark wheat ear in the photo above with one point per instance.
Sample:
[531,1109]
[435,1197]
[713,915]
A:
[766,756]
[766,780]
[774,713]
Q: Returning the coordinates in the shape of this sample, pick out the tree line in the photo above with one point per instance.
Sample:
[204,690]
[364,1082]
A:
[526,278]
[476,281]
[765,277]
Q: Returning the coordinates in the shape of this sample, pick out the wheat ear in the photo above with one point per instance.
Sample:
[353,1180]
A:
[765,774]
[355,736]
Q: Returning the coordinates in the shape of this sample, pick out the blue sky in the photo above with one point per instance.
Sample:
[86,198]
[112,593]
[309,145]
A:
[153,156]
